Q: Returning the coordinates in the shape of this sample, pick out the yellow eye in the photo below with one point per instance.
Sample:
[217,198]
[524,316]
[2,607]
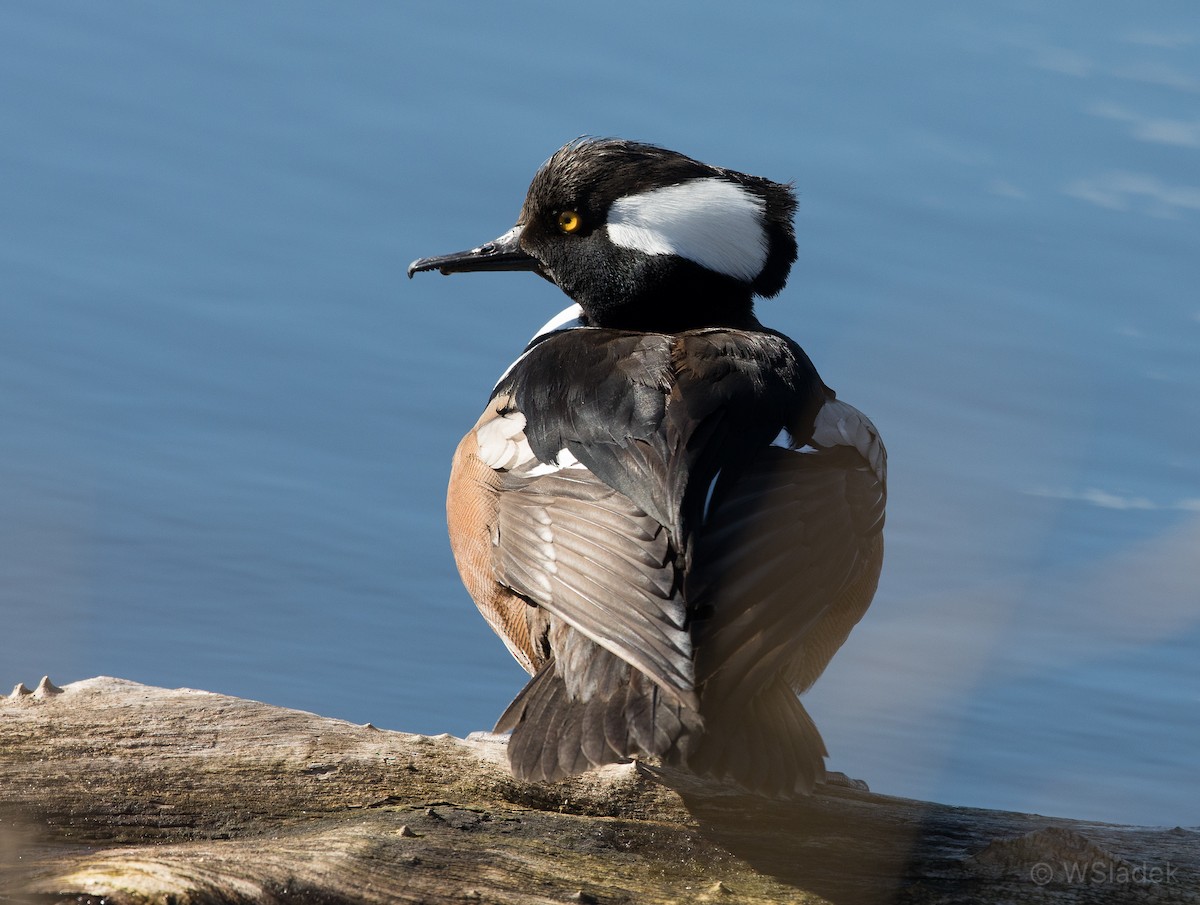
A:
[569,221]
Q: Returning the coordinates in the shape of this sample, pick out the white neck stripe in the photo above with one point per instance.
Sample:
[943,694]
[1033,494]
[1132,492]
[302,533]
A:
[567,319]
[713,222]
[570,318]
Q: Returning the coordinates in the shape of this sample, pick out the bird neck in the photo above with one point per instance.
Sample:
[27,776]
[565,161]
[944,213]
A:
[688,302]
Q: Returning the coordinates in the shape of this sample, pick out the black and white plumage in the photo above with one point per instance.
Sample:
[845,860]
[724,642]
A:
[663,511]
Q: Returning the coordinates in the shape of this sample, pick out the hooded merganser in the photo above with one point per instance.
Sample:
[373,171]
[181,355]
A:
[666,515]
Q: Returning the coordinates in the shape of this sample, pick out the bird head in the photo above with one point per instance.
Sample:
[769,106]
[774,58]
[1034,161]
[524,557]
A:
[644,238]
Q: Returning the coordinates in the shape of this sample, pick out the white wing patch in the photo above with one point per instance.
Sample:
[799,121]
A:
[564,459]
[841,424]
[713,222]
[784,441]
[503,446]
[502,443]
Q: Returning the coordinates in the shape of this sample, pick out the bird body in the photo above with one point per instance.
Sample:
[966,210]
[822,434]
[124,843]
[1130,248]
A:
[663,511]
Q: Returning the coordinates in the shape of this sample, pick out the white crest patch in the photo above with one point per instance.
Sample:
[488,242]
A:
[713,222]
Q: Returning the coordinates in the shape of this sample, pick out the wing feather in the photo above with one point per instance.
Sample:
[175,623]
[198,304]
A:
[789,548]
[691,573]
[618,588]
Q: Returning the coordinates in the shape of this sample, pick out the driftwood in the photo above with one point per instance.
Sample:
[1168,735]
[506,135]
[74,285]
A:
[116,792]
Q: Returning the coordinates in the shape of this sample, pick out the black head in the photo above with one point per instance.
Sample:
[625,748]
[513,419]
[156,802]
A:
[644,238]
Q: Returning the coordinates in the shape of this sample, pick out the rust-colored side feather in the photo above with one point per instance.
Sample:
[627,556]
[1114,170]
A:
[471,504]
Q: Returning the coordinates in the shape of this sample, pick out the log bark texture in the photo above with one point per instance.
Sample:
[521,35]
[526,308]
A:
[116,792]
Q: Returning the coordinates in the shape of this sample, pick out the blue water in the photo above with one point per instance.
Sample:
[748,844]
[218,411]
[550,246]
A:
[226,417]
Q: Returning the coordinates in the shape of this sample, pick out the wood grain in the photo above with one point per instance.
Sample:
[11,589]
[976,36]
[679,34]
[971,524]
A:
[116,792]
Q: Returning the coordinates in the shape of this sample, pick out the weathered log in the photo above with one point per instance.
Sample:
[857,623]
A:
[116,792]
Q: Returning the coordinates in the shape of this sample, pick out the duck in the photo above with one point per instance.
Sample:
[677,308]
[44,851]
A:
[666,515]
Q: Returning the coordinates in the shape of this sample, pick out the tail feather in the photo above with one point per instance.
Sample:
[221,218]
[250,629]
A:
[768,744]
[593,741]
[556,734]
[530,704]
[616,723]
